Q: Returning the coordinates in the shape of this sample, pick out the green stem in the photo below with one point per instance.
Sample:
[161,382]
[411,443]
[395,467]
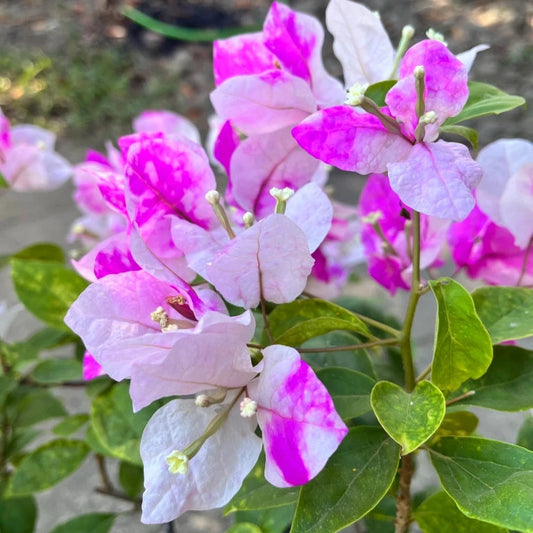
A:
[182,33]
[378,325]
[405,341]
[379,342]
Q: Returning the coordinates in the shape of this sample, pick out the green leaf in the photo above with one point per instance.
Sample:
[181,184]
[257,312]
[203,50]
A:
[244,527]
[131,479]
[274,520]
[506,312]
[349,390]
[507,384]
[18,440]
[409,418]
[94,443]
[295,322]
[46,289]
[7,384]
[57,371]
[381,518]
[463,348]
[458,423]
[18,515]
[70,424]
[355,479]
[525,435]
[87,523]
[3,182]
[470,134]
[257,493]
[358,360]
[42,251]
[181,32]
[117,428]
[439,514]
[27,406]
[489,480]
[46,466]
[378,91]
[485,99]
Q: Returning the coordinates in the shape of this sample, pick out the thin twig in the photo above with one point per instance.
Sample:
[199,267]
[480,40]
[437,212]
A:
[525,262]
[265,320]
[380,342]
[424,373]
[461,397]
[104,476]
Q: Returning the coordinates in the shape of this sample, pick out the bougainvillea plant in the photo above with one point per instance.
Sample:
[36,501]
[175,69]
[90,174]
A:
[225,364]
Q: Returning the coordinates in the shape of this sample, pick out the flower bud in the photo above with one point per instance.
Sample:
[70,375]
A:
[248,407]
[178,462]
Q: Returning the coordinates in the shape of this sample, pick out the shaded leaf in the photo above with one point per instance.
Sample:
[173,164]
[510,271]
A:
[57,371]
[506,312]
[381,518]
[274,520]
[257,493]
[19,438]
[87,523]
[485,99]
[70,424]
[458,423]
[470,134]
[439,514]
[131,479]
[355,479]
[7,384]
[18,515]
[489,480]
[244,527]
[27,406]
[46,289]
[378,91]
[508,383]
[116,427]
[41,251]
[46,466]
[525,435]
[3,182]
[409,418]
[358,360]
[349,390]
[463,348]
[295,322]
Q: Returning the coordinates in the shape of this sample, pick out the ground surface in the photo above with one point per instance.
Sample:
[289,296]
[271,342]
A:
[75,36]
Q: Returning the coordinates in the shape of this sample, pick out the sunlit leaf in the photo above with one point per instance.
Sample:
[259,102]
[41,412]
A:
[506,312]
[463,348]
[439,514]
[409,418]
[489,480]
[508,383]
[485,99]
[295,322]
[355,479]
[46,466]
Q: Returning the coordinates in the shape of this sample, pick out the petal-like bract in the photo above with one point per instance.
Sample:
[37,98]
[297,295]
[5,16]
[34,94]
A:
[214,474]
[270,260]
[437,179]
[300,426]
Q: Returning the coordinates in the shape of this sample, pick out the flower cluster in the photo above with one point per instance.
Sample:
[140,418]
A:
[28,161]
[177,269]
